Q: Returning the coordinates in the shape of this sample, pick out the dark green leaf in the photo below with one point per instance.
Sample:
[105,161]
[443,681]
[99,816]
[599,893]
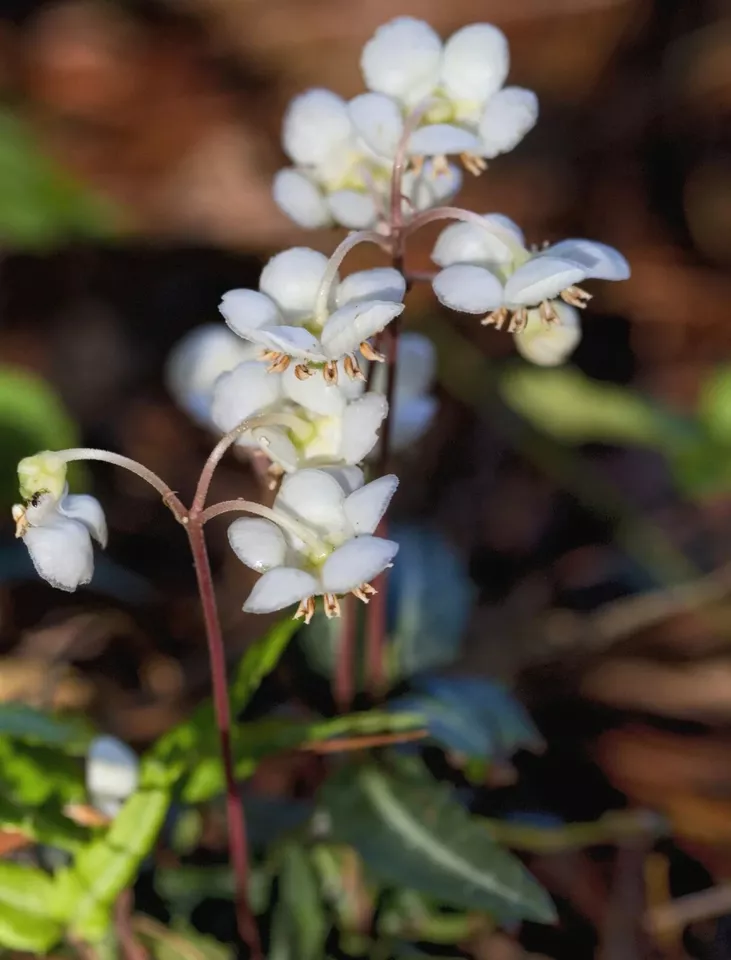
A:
[180,942]
[46,824]
[301,904]
[412,833]
[25,723]
[186,886]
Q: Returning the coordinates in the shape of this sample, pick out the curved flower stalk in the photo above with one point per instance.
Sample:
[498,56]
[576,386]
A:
[319,541]
[291,321]
[490,271]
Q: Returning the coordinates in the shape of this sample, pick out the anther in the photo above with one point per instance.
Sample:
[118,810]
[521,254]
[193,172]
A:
[364,592]
[370,354]
[497,318]
[302,371]
[21,520]
[280,364]
[352,368]
[473,164]
[332,606]
[547,312]
[518,321]
[306,610]
[440,166]
[330,372]
[576,297]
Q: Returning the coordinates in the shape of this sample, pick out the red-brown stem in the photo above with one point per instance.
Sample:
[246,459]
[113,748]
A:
[343,681]
[237,841]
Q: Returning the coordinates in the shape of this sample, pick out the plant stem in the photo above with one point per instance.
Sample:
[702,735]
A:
[343,686]
[238,846]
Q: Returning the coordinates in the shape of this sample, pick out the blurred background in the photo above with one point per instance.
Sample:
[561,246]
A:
[590,514]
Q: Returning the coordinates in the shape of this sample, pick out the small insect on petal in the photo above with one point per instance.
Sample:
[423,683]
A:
[306,610]
[370,354]
[279,364]
[576,297]
[352,369]
[302,371]
[518,321]
[364,592]
[332,605]
[330,373]
[473,164]
[547,313]
[497,318]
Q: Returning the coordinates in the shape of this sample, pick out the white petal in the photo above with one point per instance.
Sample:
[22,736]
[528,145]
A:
[549,346]
[313,496]
[279,588]
[300,199]
[352,209]
[600,262]
[411,418]
[87,510]
[429,188]
[506,119]
[468,289]
[294,341]
[315,123]
[377,120]
[349,326]
[476,62]
[243,392]
[361,422]
[541,278]
[471,243]
[437,139]
[258,543]
[245,310]
[382,283]
[292,279]
[356,562]
[366,506]
[61,552]
[277,446]
[112,773]
[417,360]
[314,394]
[402,59]
[349,477]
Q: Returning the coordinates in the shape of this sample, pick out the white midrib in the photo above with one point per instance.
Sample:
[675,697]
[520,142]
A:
[387,805]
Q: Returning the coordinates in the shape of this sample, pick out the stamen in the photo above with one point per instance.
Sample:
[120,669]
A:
[275,472]
[21,520]
[518,321]
[302,371]
[440,166]
[547,313]
[417,165]
[330,372]
[332,605]
[576,297]
[306,610]
[370,354]
[279,363]
[364,592]
[352,368]
[269,355]
[473,164]
[496,318]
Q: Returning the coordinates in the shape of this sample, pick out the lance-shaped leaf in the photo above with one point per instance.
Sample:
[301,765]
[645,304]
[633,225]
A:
[300,926]
[25,895]
[412,833]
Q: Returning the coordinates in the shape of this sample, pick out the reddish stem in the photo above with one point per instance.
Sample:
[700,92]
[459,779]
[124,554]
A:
[343,685]
[238,846]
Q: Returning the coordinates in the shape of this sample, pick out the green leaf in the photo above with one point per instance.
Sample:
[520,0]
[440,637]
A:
[300,910]
[179,942]
[412,833]
[46,824]
[31,775]
[25,895]
[84,894]
[34,726]
[184,887]
[714,404]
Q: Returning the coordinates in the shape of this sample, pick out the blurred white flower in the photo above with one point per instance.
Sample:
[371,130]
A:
[488,270]
[319,542]
[112,774]
[468,112]
[283,318]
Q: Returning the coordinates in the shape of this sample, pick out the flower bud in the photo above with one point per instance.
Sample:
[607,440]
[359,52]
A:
[43,473]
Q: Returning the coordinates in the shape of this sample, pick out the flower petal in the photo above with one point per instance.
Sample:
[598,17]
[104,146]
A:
[298,197]
[361,422]
[476,62]
[242,392]
[352,209]
[366,506]
[429,187]
[471,243]
[349,326]
[550,345]
[411,418]
[112,773]
[377,120]
[417,361]
[468,289]
[439,139]
[61,552]
[381,283]
[292,279]
[315,123]
[506,119]
[313,496]
[314,393]
[258,543]
[349,477]
[356,562]
[402,59]
[280,588]
[277,446]
[294,341]
[541,278]
[246,310]
[87,510]
[600,262]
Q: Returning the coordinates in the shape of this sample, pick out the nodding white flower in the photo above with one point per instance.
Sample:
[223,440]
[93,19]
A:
[57,530]
[319,541]
[112,774]
[468,111]
[488,270]
[285,318]
[340,175]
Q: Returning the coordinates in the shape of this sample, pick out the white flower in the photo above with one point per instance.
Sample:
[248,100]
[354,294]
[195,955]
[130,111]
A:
[489,271]
[284,319]
[319,542]
[58,532]
[469,111]
[342,177]
[112,774]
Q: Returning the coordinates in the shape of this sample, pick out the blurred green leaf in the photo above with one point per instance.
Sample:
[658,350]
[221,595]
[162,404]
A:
[25,895]
[300,924]
[410,916]
[714,404]
[46,824]
[412,832]
[185,887]
[26,723]
[180,941]
[32,774]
